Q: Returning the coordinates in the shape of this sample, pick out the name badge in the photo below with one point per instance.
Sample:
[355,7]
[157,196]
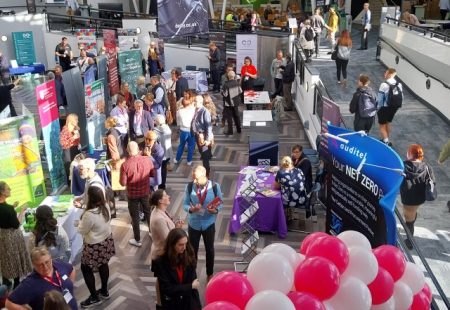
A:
[64,277]
[67,295]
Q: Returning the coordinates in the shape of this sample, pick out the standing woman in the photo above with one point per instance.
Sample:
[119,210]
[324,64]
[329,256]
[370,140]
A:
[48,233]
[291,181]
[208,103]
[412,190]
[176,273]
[344,46]
[115,150]
[120,112]
[14,261]
[153,60]
[129,97]
[98,245]
[165,137]
[185,115]
[69,138]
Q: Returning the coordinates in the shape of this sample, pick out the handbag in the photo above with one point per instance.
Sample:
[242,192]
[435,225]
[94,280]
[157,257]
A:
[334,53]
[430,188]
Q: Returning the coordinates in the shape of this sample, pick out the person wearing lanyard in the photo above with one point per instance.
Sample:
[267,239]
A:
[140,123]
[202,216]
[48,275]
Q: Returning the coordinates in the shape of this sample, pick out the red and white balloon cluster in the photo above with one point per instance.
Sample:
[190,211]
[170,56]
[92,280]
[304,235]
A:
[329,273]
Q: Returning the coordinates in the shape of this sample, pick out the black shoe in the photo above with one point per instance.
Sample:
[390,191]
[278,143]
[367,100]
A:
[91,302]
[448,205]
[360,49]
[227,133]
[329,53]
[239,131]
[409,244]
[102,295]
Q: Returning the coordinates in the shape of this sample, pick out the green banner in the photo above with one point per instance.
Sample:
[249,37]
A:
[130,67]
[20,162]
[24,46]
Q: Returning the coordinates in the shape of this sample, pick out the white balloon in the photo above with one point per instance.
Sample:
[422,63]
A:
[362,265]
[284,250]
[352,294]
[353,238]
[403,296]
[388,305]
[413,277]
[328,305]
[270,300]
[270,271]
[299,260]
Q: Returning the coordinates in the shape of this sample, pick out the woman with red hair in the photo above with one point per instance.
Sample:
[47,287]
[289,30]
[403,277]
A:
[412,190]
[344,47]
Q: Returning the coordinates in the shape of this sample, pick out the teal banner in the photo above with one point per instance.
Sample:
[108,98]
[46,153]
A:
[24,46]
[130,67]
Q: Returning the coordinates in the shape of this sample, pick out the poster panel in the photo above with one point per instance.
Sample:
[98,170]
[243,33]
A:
[20,161]
[49,117]
[128,39]
[95,114]
[87,40]
[102,69]
[330,114]
[24,47]
[109,40]
[246,45]
[130,67]
[366,177]
[182,18]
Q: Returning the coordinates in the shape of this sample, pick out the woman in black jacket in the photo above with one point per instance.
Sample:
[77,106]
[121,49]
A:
[176,273]
[412,190]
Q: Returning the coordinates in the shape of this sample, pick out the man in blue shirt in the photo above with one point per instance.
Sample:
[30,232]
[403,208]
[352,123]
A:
[366,24]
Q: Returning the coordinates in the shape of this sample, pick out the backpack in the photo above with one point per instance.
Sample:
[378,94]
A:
[395,96]
[367,105]
[309,34]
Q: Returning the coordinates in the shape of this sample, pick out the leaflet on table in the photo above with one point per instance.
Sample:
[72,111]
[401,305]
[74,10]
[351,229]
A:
[249,170]
[254,207]
[59,204]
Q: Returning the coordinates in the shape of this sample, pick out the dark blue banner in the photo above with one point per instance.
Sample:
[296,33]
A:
[366,177]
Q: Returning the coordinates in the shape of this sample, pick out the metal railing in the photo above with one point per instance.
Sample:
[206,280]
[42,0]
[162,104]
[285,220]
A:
[433,33]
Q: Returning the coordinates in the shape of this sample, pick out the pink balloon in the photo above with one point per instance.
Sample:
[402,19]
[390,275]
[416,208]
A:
[391,258]
[427,291]
[332,248]
[382,287]
[229,286]
[305,301]
[318,276]
[221,305]
[309,239]
[420,302]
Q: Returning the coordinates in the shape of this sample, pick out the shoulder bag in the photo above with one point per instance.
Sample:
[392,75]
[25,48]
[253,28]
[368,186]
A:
[430,187]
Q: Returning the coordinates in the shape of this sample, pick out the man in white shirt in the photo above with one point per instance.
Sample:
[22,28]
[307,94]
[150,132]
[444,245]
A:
[87,171]
[444,7]
[275,72]
[366,23]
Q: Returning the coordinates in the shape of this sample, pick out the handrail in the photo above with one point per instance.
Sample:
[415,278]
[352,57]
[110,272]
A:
[424,262]
[418,28]
[412,64]
[97,23]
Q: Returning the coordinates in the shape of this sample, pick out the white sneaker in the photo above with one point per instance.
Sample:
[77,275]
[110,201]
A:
[175,161]
[189,163]
[135,243]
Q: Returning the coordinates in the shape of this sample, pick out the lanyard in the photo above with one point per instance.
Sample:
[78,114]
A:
[201,198]
[50,280]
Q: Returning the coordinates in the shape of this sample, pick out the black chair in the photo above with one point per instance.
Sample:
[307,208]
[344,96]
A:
[258,84]
[191,68]
[208,76]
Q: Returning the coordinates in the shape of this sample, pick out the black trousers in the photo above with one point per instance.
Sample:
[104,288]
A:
[134,205]
[208,240]
[278,87]
[364,35]
[341,66]
[89,278]
[206,157]
[443,14]
[215,77]
[230,114]
[317,42]
[68,157]
[163,173]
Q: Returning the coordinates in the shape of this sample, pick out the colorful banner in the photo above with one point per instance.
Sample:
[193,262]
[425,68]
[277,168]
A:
[24,47]
[20,162]
[128,39]
[102,69]
[130,67]
[182,18]
[109,40]
[49,116]
[365,178]
[246,45]
[87,40]
[95,114]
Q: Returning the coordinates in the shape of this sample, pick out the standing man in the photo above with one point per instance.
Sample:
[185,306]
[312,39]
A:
[317,23]
[214,65]
[201,127]
[6,99]
[276,73]
[390,99]
[364,105]
[64,53]
[333,25]
[86,168]
[231,93]
[288,78]
[60,90]
[181,84]
[141,122]
[366,23]
[135,174]
[444,7]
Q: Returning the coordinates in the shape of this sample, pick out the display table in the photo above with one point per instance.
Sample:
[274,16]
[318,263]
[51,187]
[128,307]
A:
[258,116]
[196,79]
[67,223]
[270,216]
[252,97]
[77,184]
[35,68]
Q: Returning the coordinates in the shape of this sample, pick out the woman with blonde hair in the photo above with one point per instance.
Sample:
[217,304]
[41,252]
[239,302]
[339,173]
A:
[115,150]
[69,138]
[208,103]
[291,181]
[153,107]
[141,90]
[153,60]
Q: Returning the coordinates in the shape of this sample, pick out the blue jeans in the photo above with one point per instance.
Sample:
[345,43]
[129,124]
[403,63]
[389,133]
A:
[186,136]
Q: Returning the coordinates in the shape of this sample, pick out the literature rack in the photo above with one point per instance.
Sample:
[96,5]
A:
[248,207]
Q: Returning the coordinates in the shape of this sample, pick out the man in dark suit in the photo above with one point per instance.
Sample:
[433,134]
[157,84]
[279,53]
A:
[181,84]
[140,123]
[231,93]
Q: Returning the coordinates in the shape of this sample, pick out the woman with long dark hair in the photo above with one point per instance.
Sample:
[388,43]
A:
[48,233]
[98,245]
[343,46]
[176,273]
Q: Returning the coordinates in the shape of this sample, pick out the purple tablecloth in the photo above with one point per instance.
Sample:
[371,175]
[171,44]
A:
[270,216]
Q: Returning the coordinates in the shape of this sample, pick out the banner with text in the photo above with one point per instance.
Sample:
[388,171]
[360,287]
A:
[20,162]
[130,67]
[95,114]
[365,178]
[102,67]
[246,45]
[128,39]
[87,40]
[24,47]
[182,18]
[109,41]
[49,116]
